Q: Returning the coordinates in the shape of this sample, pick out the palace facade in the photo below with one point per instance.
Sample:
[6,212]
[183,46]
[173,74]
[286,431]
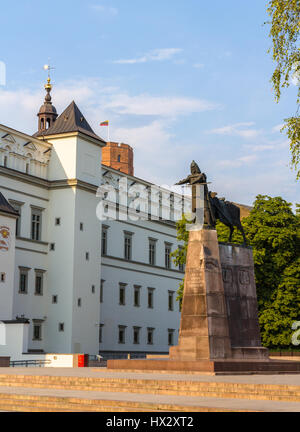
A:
[69,283]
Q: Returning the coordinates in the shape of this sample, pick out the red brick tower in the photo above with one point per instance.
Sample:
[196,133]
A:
[119,157]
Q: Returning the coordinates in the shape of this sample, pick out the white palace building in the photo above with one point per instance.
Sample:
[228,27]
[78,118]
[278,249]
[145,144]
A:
[70,283]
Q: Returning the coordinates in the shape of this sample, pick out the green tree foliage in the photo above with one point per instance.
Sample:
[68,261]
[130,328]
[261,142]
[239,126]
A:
[277,319]
[273,231]
[179,255]
[284,32]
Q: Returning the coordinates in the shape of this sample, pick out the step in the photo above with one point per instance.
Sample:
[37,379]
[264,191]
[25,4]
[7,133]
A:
[41,403]
[159,387]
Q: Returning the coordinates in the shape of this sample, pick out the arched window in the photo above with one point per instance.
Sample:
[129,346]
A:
[42,123]
[119,158]
[48,123]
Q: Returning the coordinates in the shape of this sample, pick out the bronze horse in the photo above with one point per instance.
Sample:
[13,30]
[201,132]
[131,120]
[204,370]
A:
[227,213]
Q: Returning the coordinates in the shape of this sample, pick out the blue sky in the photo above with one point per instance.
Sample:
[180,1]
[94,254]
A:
[177,80]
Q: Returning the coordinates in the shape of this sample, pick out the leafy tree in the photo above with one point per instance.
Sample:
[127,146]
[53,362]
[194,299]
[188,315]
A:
[284,32]
[179,255]
[272,231]
[277,319]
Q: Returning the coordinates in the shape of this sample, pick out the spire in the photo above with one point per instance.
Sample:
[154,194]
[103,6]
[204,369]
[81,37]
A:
[71,120]
[47,113]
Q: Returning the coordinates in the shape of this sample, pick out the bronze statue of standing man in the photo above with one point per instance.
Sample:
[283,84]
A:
[198,178]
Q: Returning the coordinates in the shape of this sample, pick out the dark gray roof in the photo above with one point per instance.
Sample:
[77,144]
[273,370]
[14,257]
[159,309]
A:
[17,321]
[5,207]
[71,120]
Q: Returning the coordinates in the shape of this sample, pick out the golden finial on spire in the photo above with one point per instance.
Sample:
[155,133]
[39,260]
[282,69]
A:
[48,86]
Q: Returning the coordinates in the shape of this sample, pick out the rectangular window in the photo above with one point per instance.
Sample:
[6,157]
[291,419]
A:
[36,224]
[122,288]
[152,251]
[18,208]
[181,266]
[104,241]
[57,221]
[150,332]
[93,289]
[150,297]
[101,290]
[38,284]
[23,281]
[2,277]
[136,335]
[168,248]
[101,333]
[87,256]
[52,246]
[171,336]
[79,302]
[54,299]
[81,226]
[136,295]
[37,331]
[122,330]
[61,327]
[170,300]
[127,246]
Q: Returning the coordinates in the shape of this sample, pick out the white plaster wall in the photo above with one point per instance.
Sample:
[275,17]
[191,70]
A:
[63,158]
[86,273]
[60,270]
[16,341]
[112,314]
[89,158]
[140,240]
[7,266]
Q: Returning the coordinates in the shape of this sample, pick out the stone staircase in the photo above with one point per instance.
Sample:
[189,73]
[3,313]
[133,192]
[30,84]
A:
[38,391]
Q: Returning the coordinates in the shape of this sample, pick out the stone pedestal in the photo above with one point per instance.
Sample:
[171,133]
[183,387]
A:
[241,302]
[204,331]
[219,329]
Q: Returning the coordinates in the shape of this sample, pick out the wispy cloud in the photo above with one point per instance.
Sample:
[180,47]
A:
[267,144]
[225,54]
[232,163]
[154,55]
[198,65]
[238,129]
[105,9]
[277,128]
[158,106]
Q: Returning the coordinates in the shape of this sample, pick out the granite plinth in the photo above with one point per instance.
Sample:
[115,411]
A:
[228,366]
[204,330]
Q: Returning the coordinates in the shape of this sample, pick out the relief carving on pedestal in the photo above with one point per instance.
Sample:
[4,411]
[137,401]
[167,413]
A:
[227,275]
[244,277]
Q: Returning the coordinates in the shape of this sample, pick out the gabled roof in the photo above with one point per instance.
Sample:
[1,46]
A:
[5,207]
[71,120]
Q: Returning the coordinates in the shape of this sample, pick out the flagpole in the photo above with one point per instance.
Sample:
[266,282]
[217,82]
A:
[108,132]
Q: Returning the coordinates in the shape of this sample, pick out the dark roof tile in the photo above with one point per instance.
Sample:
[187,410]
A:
[5,207]
[71,120]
